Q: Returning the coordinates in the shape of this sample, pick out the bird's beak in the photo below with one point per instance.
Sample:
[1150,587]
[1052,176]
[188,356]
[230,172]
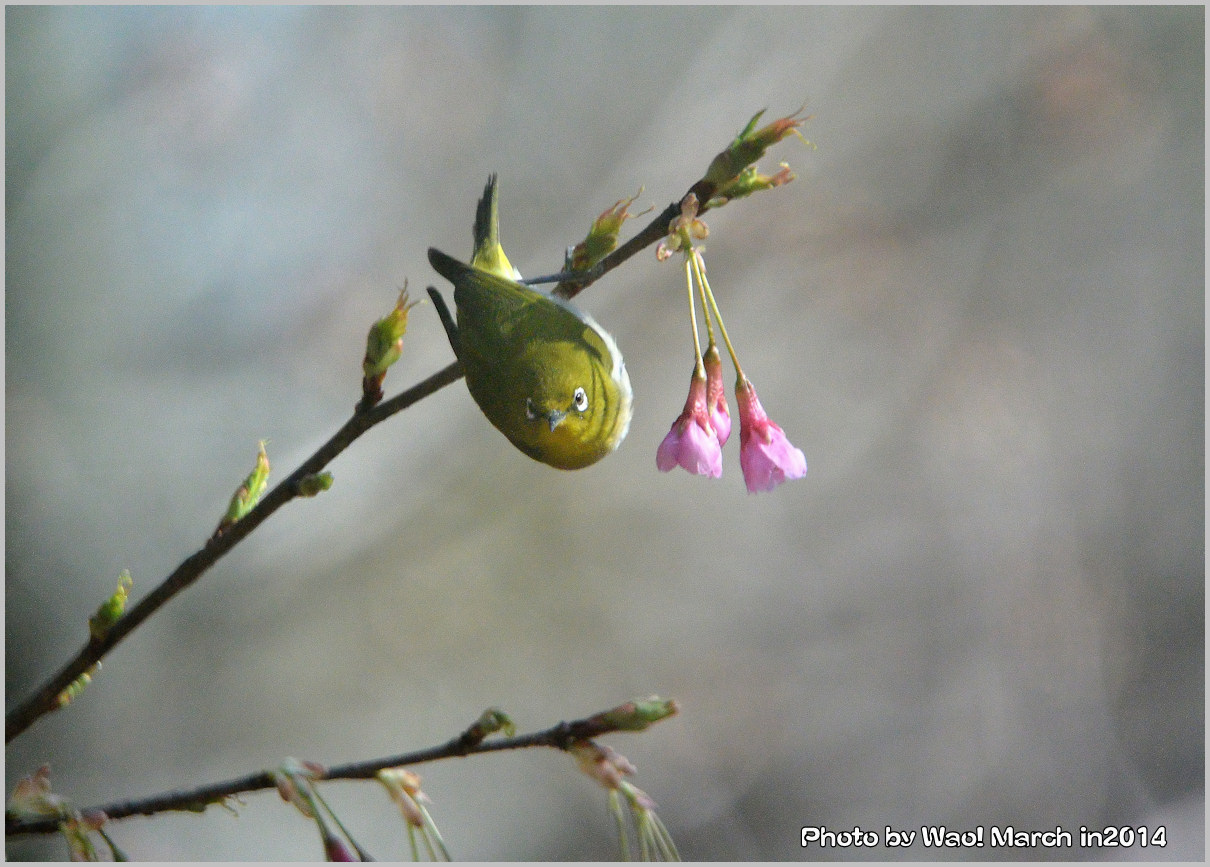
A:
[554,418]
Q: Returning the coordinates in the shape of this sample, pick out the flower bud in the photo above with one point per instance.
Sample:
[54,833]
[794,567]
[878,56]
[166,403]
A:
[634,716]
[384,343]
[248,494]
[32,797]
[683,230]
[111,609]
[748,182]
[604,764]
[314,484]
[602,238]
[750,145]
[490,721]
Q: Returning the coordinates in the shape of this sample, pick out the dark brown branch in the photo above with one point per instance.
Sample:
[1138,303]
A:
[561,737]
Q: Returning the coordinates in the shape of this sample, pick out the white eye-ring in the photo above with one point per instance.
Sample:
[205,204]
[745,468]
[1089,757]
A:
[580,400]
[529,409]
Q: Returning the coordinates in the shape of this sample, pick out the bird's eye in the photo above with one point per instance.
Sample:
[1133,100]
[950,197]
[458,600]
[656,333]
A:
[529,409]
[580,400]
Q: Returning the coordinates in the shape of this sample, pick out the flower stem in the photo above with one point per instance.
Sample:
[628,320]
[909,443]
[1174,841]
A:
[361,853]
[699,368]
[705,309]
[705,284]
[615,807]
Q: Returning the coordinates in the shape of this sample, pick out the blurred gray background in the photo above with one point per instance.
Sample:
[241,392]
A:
[979,311]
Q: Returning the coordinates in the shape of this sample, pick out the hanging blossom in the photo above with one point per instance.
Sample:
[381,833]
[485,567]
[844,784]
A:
[609,767]
[765,455]
[695,440]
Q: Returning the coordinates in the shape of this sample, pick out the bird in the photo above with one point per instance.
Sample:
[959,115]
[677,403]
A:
[543,372]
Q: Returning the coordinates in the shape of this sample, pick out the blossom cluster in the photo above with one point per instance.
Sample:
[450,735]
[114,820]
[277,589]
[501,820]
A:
[696,439]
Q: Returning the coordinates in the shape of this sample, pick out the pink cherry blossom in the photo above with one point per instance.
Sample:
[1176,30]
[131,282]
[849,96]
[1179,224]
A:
[692,442]
[766,456]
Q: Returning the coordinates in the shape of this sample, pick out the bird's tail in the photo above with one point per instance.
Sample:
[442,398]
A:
[489,255]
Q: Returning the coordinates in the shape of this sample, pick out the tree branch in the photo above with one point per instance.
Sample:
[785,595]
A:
[471,742]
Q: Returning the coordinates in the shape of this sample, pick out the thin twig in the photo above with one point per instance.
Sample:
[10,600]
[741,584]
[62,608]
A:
[560,737]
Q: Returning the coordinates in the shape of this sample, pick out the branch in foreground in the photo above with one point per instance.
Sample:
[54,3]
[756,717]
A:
[631,716]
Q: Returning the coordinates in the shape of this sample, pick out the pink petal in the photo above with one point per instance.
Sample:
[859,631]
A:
[666,455]
[700,452]
[720,418]
[768,459]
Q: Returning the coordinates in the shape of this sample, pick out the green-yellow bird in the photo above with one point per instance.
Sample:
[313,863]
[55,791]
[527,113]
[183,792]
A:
[544,373]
